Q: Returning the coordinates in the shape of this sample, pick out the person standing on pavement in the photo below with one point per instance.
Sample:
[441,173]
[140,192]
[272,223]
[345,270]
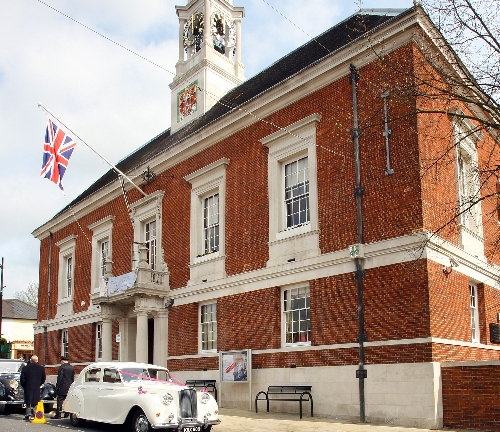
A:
[65,376]
[32,377]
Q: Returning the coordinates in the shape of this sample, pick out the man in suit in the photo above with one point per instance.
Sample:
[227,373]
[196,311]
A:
[32,377]
[65,376]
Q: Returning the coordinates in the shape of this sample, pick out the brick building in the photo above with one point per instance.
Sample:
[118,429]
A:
[262,217]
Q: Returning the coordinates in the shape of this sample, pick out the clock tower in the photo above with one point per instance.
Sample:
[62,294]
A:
[209,57]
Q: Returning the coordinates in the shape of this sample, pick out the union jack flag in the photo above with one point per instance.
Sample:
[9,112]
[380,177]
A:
[57,150]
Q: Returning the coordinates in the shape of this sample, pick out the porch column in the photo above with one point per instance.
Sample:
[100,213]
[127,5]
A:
[160,337]
[141,342]
[123,324]
[107,339]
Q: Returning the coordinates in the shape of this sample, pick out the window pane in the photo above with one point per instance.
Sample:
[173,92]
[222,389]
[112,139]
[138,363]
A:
[208,322]
[211,224]
[297,315]
[297,193]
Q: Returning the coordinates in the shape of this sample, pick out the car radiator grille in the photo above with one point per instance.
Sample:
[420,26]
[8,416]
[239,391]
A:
[187,404]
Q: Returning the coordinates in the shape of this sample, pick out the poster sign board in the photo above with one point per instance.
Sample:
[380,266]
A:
[235,367]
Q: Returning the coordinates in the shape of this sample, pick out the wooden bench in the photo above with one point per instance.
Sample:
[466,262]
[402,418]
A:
[292,393]
[208,385]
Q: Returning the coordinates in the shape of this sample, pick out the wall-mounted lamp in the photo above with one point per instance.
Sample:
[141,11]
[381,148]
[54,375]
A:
[449,268]
[169,303]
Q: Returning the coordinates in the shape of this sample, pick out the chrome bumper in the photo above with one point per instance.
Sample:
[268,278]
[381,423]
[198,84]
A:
[185,423]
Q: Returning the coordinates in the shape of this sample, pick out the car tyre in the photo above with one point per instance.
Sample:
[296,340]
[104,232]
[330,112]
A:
[140,422]
[75,420]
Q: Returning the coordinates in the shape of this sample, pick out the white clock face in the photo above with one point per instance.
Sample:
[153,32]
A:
[193,31]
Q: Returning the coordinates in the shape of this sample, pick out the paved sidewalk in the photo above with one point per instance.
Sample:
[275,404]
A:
[239,420]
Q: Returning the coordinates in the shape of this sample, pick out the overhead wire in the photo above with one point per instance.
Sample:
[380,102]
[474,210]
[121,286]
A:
[214,97]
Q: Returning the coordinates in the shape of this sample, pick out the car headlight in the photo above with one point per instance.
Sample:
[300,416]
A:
[14,384]
[167,399]
[205,397]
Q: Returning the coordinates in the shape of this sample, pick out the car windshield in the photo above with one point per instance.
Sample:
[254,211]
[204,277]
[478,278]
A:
[10,367]
[139,374]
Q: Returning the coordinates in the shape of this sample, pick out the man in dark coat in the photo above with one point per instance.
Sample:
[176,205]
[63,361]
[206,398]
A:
[65,376]
[32,377]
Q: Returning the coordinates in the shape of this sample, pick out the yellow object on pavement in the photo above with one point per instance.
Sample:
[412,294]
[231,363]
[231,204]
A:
[39,414]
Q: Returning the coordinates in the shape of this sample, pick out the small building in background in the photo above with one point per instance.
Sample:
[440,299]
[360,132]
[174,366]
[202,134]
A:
[18,318]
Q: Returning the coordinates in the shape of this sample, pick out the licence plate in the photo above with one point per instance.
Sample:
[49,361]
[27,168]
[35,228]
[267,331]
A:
[192,429]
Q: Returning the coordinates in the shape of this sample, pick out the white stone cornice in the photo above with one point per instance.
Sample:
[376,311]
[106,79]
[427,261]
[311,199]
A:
[87,317]
[422,245]
[382,343]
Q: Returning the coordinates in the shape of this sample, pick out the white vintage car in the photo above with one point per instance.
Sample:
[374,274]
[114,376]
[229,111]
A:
[143,396]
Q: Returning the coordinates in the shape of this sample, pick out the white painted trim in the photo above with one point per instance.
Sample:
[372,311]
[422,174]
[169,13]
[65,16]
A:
[395,342]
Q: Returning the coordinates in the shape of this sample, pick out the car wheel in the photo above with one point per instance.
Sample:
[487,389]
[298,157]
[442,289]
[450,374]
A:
[2,409]
[75,420]
[140,422]
[48,408]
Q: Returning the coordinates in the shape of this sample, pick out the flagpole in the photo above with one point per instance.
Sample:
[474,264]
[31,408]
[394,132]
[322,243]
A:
[114,168]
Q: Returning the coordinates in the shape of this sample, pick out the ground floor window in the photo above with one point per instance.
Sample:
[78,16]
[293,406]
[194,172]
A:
[296,309]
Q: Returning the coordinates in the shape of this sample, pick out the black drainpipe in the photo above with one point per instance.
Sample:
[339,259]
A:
[361,373]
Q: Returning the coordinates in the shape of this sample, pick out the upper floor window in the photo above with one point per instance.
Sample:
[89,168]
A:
[468,187]
[68,285]
[296,193]
[104,249]
[146,214]
[207,228]
[102,233]
[293,192]
[211,223]
[296,316]
[207,209]
[66,275]
[208,327]
[474,314]
[150,241]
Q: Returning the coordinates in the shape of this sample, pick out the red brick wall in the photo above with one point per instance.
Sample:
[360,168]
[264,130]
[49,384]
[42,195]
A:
[408,300]
[470,397]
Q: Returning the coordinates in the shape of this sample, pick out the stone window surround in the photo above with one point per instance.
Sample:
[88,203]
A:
[204,182]
[289,144]
[66,250]
[102,231]
[146,210]
[466,138]
[284,344]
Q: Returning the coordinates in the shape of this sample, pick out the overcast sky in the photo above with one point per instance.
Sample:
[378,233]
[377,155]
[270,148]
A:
[111,98]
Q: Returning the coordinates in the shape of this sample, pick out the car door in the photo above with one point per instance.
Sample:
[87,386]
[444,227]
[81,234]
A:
[90,391]
[108,397]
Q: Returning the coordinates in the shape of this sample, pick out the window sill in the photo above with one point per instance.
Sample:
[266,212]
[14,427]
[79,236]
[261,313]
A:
[206,257]
[298,345]
[292,232]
